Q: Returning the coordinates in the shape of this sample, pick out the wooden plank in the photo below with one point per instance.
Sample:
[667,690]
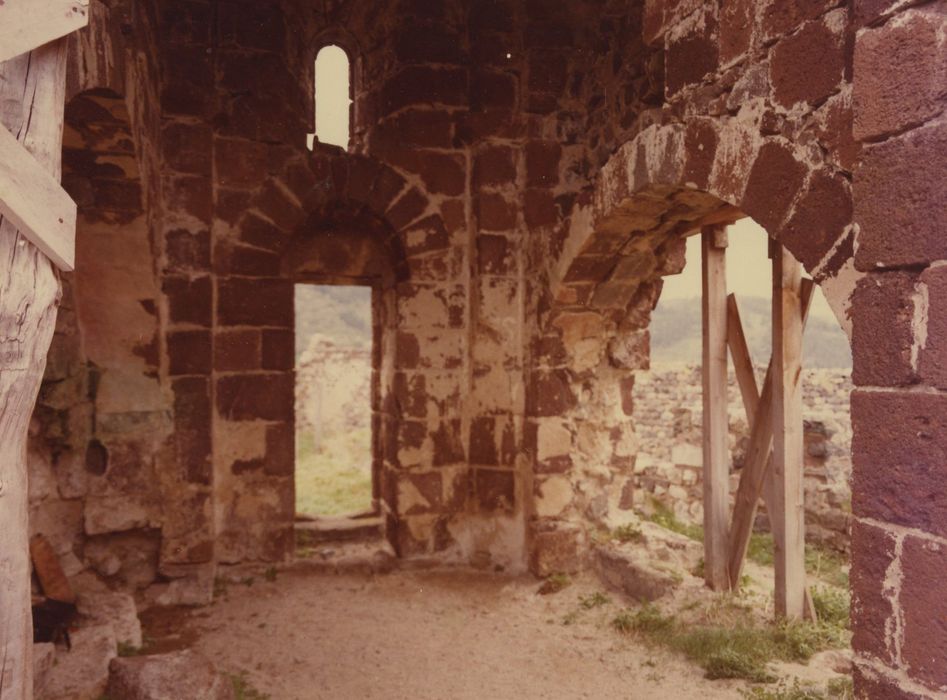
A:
[788,507]
[28,24]
[742,361]
[33,201]
[32,94]
[716,471]
[757,468]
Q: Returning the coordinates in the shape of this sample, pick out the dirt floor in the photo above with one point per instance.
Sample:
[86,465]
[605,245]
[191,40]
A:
[420,635]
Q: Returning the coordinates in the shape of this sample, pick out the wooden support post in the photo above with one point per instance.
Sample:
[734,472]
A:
[716,429]
[788,507]
[32,97]
[756,479]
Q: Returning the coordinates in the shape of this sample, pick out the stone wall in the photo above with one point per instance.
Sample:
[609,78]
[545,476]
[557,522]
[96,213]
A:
[668,468]
[521,176]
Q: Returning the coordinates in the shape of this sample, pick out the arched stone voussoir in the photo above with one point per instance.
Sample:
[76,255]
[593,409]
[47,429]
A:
[672,179]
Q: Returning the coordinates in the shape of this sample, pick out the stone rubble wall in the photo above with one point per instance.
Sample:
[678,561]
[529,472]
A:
[668,467]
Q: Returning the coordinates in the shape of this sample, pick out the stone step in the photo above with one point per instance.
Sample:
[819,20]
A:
[310,533]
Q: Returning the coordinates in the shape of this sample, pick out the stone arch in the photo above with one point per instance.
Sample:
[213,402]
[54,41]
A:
[623,237]
[308,207]
[677,176]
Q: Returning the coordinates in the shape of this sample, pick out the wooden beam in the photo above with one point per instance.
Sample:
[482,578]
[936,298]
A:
[716,470]
[32,96]
[788,508]
[33,201]
[756,478]
[28,24]
[742,361]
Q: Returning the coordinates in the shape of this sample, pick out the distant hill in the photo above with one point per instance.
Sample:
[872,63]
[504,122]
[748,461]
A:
[676,334]
[344,314]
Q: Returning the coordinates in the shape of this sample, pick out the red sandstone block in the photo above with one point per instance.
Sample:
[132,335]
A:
[252,25]
[189,352]
[495,255]
[255,302]
[279,206]
[736,28]
[869,11]
[901,71]
[554,549]
[869,685]
[422,128]
[187,23]
[549,393]
[361,176]
[425,43]
[872,554]
[192,427]
[494,212]
[280,457]
[431,487]
[900,199]
[807,66]
[240,163]
[256,396]
[442,173]
[186,251]
[232,259]
[692,56]
[422,85]
[548,71]
[819,218]
[448,443]
[188,86]
[539,209]
[262,233]
[700,146]
[922,599]
[187,147]
[493,90]
[407,209]
[387,187]
[773,182]
[190,195]
[189,300]
[236,351]
[231,205]
[495,489]
[898,448]
[932,365]
[494,166]
[410,394]
[884,307]
[278,349]
[542,163]
[782,17]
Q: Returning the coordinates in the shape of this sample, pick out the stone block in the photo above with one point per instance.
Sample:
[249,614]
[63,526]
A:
[554,548]
[873,551]
[82,674]
[898,447]
[883,338]
[932,356]
[923,563]
[904,169]
[115,608]
[256,396]
[177,674]
[808,65]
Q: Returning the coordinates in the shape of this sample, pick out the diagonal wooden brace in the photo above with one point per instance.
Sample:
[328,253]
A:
[753,481]
[33,201]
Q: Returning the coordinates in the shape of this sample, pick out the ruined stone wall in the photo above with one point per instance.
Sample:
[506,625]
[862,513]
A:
[668,466]
[898,407]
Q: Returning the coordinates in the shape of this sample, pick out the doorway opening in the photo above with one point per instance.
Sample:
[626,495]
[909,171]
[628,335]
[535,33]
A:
[334,344]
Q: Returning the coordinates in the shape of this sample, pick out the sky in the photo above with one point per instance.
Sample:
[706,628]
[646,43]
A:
[332,85]
[749,270]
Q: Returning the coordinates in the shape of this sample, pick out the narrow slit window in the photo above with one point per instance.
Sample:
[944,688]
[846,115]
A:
[333,92]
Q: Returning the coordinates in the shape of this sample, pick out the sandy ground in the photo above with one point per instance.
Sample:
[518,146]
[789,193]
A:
[432,634]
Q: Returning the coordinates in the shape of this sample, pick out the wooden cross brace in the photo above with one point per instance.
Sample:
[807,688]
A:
[755,480]
[30,197]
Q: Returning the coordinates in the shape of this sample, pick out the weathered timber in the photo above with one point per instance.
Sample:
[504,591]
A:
[28,24]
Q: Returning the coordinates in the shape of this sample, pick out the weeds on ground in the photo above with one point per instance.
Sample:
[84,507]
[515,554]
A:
[664,516]
[821,562]
[593,600]
[628,533]
[835,689]
[334,478]
[832,605]
[243,690]
[738,650]
[554,583]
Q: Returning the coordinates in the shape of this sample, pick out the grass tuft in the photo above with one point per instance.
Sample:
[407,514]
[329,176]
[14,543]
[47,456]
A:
[554,583]
[243,690]
[628,533]
[593,600]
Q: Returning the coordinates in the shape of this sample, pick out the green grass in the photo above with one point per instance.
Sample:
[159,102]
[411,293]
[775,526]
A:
[836,689]
[555,583]
[821,562]
[628,533]
[337,478]
[740,648]
[664,516]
